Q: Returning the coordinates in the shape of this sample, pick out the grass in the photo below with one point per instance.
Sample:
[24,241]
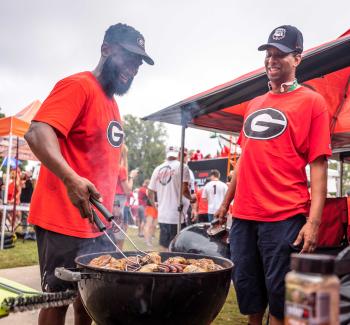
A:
[25,254]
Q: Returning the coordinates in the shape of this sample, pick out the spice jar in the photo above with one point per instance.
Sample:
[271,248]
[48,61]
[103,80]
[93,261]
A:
[312,291]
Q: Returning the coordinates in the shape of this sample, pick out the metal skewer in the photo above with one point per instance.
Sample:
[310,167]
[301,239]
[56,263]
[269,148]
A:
[131,265]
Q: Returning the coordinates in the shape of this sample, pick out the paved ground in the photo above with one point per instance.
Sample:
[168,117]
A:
[29,276]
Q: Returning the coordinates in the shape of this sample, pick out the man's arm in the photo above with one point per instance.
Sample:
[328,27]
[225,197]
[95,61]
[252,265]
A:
[151,197]
[127,185]
[318,177]
[186,192]
[43,141]
[221,213]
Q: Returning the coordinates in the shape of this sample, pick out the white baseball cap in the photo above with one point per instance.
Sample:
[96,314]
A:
[172,151]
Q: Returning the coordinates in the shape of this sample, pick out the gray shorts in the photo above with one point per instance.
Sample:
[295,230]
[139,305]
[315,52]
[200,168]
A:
[141,213]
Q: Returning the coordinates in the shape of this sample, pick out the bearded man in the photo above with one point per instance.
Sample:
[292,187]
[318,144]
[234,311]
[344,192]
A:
[77,135]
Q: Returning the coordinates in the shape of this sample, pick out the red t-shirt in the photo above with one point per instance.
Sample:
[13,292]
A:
[90,136]
[202,204]
[122,177]
[281,134]
[142,196]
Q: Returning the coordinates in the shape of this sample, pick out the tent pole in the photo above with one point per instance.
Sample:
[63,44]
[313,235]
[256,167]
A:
[341,176]
[15,190]
[6,193]
[183,132]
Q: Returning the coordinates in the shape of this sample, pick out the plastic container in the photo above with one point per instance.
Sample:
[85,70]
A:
[312,291]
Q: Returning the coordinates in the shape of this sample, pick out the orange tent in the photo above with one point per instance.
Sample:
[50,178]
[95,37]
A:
[18,124]
[10,127]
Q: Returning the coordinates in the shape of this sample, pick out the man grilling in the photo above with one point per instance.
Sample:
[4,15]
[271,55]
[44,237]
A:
[283,131]
[77,135]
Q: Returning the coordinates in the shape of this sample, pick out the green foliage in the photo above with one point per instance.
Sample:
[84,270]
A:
[146,144]
[1,114]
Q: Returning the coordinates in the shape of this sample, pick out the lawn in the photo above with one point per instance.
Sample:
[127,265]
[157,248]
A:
[25,253]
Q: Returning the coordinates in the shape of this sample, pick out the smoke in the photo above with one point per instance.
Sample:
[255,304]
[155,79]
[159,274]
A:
[99,244]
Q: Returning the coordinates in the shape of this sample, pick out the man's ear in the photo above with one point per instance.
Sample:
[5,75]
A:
[297,60]
[105,50]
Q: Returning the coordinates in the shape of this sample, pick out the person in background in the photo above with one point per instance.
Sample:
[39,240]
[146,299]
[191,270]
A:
[166,183]
[122,193]
[283,131]
[142,199]
[201,205]
[189,205]
[77,135]
[26,197]
[214,192]
[14,188]
[14,193]
[151,214]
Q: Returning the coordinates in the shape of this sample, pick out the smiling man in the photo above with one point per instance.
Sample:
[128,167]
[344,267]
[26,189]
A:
[283,131]
[77,135]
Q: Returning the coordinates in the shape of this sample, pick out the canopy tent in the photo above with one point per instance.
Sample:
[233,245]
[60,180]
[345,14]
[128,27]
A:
[324,68]
[15,127]
[18,124]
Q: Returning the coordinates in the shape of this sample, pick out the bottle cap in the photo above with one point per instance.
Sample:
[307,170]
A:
[312,263]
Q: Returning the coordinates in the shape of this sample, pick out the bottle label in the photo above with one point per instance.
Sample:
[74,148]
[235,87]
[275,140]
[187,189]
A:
[307,308]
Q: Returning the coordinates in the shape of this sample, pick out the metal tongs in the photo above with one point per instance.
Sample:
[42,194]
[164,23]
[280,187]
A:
[132,264]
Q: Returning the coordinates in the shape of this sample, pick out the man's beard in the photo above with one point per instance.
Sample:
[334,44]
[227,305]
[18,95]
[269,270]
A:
[110,81]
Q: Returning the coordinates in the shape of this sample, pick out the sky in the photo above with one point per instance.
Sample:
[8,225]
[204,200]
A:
[196,45]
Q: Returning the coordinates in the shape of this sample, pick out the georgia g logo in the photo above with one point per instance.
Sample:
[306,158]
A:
[164,175]
[115,134]
[267,123]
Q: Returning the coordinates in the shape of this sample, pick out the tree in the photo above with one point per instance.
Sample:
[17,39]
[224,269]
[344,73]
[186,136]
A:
[146,143]
[1,114]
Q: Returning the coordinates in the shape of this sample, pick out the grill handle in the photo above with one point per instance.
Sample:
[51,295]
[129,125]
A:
[74,275]
[100,207]
[98,222]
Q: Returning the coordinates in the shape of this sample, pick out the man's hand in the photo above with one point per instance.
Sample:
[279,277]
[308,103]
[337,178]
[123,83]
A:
[79,190]
[134,173]
[308,234]
[221,214]
[194,216]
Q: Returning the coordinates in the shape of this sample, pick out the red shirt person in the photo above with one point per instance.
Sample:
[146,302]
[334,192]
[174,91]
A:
[202,206]
[77,135]
[283,131]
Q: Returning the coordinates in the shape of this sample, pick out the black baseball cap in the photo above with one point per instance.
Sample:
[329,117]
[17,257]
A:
[129,38]
[286,38]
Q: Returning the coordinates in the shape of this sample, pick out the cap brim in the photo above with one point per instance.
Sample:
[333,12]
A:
[137,50]
[281,47]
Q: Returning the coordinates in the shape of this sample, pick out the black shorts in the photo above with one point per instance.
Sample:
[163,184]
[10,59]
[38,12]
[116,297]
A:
[57,250]
[261,252]
[167,233]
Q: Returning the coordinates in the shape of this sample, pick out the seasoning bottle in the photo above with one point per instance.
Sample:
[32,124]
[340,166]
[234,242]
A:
[312,291]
